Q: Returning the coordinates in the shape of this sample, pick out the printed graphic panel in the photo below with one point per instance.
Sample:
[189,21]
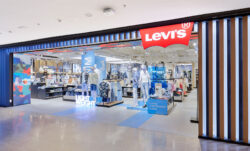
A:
[21,79]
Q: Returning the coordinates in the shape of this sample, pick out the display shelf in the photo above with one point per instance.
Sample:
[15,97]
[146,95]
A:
[55,92]
[50,97]
[129,94]
[45,93]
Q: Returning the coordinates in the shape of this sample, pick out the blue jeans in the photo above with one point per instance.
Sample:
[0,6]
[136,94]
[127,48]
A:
[84,89]
[145,89]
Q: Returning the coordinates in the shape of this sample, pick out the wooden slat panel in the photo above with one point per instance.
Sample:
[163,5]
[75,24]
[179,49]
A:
[200,78]
[221,77]
[245,79]
[210,77]
[233,81]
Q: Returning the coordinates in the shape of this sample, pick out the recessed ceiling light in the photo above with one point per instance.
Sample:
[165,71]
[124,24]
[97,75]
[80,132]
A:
[108,11]
[10,31]
[38,24]
[59,20]
[124,5]
[21,27]
[88,15]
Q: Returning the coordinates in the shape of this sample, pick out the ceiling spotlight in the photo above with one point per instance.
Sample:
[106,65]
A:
[38,24]
[10,31]
[108,11]
[124,5]
[59,20]
[88,15]
[21,27]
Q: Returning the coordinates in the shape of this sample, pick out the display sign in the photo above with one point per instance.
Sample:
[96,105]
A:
[88,60]
[21,79]
[157,106]
[167,35]
[84,100]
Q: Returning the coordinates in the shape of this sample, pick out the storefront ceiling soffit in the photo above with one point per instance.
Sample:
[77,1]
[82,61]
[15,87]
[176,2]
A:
[32,19]
[174,54]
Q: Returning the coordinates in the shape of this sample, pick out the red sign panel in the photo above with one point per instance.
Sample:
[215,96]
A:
[167,35]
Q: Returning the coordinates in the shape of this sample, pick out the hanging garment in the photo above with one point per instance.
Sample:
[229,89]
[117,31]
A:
[84,89]
[93,78]
[104,88]
[173,87]
[135,95]
[85,77]
[119,92]
[136,77]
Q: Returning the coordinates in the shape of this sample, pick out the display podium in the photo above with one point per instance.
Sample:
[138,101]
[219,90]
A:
[161,106]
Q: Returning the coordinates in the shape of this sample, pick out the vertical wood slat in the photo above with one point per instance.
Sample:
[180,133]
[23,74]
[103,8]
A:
[200,78]
[233,81]
[245,79]
[221,77]
[210,77]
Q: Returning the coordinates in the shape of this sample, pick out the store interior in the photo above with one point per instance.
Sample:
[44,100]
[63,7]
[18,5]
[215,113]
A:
[109,75]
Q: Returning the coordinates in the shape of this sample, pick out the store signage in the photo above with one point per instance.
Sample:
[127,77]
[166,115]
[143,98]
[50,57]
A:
[84,100]
[167,35]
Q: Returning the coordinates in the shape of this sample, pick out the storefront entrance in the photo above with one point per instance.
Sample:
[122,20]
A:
[117,83]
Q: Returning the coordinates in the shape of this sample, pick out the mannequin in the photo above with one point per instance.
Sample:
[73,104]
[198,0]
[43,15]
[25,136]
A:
[136,78]
[85,77]
[145,84]
[93,81]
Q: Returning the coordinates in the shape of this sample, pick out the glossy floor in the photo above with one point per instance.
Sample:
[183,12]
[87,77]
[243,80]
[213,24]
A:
[55,125]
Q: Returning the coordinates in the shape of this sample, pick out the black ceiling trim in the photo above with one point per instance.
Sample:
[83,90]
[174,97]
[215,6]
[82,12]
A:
[232,13]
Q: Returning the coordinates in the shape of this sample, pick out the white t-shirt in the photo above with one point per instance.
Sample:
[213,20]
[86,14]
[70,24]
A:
[144,77]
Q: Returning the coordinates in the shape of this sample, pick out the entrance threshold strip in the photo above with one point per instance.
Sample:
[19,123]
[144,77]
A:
[136,120]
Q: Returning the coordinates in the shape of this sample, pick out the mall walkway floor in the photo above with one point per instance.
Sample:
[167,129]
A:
[55,125]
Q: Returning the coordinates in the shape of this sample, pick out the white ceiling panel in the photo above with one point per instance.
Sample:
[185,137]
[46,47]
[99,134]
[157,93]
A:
[24,20]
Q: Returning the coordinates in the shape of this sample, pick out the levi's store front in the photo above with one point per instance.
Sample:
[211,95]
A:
[155,78]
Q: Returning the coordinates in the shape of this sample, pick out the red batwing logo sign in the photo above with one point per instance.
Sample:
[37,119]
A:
[167,35]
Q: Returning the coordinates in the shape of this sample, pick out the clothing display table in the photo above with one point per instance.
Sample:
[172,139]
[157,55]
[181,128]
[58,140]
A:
[162,106]
[41,92]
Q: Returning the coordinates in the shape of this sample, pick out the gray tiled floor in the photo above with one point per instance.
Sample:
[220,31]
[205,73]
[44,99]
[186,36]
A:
[35,127]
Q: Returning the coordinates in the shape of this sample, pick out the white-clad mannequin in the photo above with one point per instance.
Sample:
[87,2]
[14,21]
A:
[145,84]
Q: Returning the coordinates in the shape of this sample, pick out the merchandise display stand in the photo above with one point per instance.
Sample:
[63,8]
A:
[161,106]
[178,97]
[73,94]
[109,104]
[112,95]
[47,92]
